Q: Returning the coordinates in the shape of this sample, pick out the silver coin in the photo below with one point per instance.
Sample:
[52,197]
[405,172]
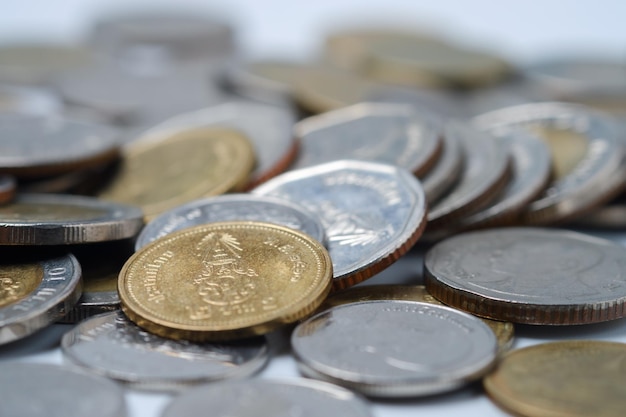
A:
[37,146]
[34,292]
[530,275]
[372,213]
[28,100]
[600,173]
[232,207]
[610,216]
[394,348]
[390,133]
[269,398]
[247,79]
[63,219]
[42,390]
[112,346]
[442,103]
[268,127]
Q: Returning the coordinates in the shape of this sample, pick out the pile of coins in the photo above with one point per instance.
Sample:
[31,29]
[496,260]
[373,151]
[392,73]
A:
[179,205]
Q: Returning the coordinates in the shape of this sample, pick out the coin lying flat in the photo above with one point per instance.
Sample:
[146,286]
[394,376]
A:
[232,207]
[62,219]
[42,390]
[394,348]
[395,134]
[34,292]
[529,275]
[448,167]
[568,378]
[224,280]
[182,166]
[269,398]
[372,213]
[112,346]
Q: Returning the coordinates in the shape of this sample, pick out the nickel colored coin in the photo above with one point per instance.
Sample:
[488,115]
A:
[233,207]
[42,390]
[112,346]
[36,146]
[394,348]
[7,188]
[503,330]
[269,398]
[569,378]
[27,100]
[395,134]
[62,219]
[34,292]
[224,281]
[529,275]
[372,213]
[591,166]
[160,172]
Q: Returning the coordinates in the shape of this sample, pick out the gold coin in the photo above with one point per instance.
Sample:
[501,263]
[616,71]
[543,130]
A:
[159,173]
[504,331]
[18,280]
[225,280]
[562,379]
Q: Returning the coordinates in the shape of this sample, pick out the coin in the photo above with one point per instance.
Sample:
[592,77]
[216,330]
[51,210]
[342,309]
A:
[232,207]
[567,378]
[7,188]
[504,331]
[224,280]
[395,134]
[84,181]
[61,219]
[269,398]
[112,346]
[585,183]
[394,348]
[36,146]
[28,100]
[529,275]
[38,390]
[610,216]
[180,166]
[35,291]
[372,213]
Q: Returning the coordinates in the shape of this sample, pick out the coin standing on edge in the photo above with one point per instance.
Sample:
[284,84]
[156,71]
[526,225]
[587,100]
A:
[372,213]
[530,275]
[394,348]
[110,345]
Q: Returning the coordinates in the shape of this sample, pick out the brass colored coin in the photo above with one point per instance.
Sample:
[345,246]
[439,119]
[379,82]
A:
[503,330]
[160,173]
[562,379]
[224,280]
[18,280]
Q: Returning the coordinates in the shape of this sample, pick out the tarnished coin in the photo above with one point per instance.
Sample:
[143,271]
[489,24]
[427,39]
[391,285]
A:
[485,173]
[503,330]
[529,275]
[395,134]
[28,100]
[589,156]
[112,346]
[394,348]
[179,167]
[233,207]
[574,378]
[36,146]
[34,292]
[269,398]
[42,390]
[372,213]
[62,219]
[224,281]
[7,188]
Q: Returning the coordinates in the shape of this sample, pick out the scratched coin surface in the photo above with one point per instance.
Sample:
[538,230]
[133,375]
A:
[390,133]
[529,275]
[225,280]
[38,390]
[35,290]
[111,345]
[372,213]
[269,398]
[233,207]
[573,378]
[394,348]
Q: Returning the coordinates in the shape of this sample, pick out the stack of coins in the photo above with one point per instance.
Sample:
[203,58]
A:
[184,209]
